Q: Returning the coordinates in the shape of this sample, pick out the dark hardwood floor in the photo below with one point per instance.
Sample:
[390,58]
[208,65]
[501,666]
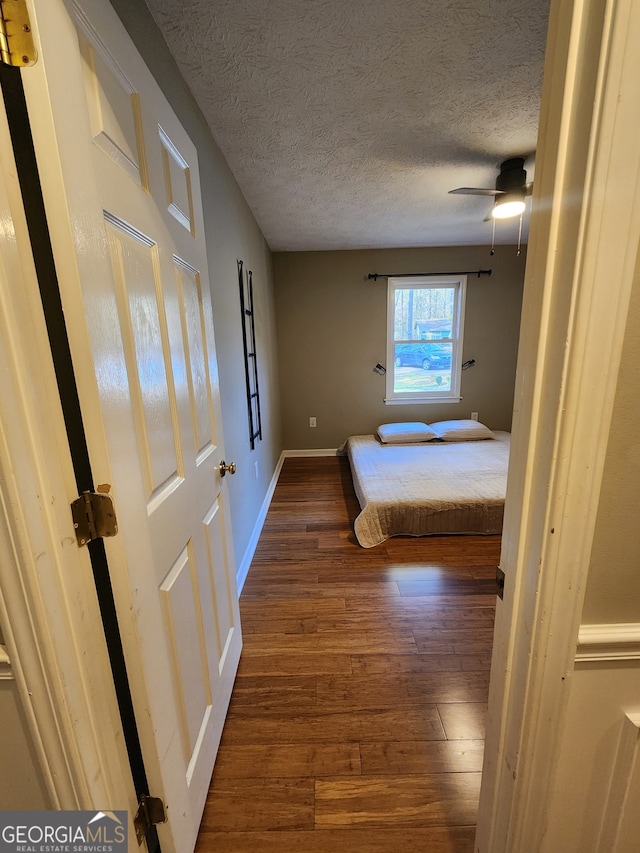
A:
[357,718]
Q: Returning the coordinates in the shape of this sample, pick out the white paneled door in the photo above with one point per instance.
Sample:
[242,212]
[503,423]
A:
[122,192]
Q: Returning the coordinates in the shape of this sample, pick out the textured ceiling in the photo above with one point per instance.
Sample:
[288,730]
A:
[346,122]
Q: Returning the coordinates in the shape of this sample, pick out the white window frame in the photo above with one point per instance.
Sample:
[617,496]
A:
[459,283]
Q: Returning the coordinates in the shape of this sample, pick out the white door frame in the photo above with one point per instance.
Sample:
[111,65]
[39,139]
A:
[585,234]
[48,606]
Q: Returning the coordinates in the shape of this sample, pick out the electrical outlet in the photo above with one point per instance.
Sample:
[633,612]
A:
[474,416]
[312,422]
[256,468]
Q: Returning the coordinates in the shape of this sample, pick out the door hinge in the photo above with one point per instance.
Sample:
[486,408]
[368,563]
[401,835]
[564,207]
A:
[16,39]
[500,576]
[94,517]
[151,811]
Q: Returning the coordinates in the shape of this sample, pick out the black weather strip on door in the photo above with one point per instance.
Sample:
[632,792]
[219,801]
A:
[26,164]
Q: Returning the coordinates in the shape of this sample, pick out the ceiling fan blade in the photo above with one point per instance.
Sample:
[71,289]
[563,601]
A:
[474,191]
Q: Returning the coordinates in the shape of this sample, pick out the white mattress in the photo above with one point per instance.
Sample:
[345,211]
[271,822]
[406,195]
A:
[428,488]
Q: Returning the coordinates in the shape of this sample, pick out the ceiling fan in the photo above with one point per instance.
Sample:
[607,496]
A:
[510,192]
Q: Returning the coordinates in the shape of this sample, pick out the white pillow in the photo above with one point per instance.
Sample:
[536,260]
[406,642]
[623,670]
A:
[462,430]
[405,433]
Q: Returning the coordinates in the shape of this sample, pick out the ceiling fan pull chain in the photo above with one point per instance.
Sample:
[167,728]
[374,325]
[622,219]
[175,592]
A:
[519,234]
[493,236]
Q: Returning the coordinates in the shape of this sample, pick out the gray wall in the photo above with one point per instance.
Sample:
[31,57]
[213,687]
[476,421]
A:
[613,590]
[232,234]
[21,782]
[331,324]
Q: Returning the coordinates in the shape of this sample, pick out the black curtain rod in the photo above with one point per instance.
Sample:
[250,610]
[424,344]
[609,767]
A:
[376,275]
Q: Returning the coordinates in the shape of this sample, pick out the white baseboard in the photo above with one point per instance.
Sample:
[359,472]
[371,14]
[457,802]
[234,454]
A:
[609,642]
[243,568]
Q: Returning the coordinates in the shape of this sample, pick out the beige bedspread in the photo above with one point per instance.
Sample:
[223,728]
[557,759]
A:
[422,489]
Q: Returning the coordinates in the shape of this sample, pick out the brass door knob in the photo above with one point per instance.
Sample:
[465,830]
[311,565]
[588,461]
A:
[231,468]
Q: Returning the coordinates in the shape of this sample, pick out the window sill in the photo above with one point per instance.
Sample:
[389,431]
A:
[409,401]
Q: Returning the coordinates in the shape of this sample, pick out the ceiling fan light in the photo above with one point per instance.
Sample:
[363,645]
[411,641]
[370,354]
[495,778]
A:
[508,205]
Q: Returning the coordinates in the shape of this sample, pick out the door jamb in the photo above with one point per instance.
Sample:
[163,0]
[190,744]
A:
[585,234]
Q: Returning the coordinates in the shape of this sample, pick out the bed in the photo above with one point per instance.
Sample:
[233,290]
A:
[428,487]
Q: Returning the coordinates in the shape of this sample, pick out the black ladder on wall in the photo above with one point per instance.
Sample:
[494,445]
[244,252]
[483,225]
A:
[250,358]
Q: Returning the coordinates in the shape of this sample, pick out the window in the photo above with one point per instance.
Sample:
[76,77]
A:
[425,321]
